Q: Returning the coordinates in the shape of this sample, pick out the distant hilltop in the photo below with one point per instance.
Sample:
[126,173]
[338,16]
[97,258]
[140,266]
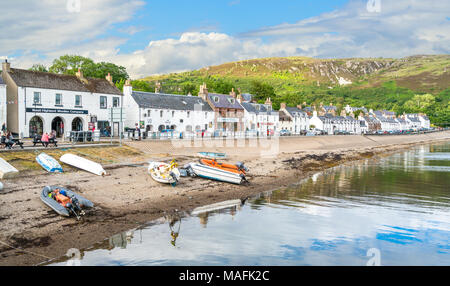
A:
[422,73]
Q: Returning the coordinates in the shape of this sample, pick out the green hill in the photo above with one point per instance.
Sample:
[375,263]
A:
[395,84]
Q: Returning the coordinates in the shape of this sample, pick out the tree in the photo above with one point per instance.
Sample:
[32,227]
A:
[261,90]
[69,64]
[189,88]
[39,68]
[420,103]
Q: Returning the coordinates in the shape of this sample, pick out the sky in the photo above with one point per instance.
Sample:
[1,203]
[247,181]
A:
[157,37]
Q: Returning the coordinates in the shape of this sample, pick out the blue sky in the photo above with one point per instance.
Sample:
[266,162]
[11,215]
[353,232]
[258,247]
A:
[158,20]
[156,37]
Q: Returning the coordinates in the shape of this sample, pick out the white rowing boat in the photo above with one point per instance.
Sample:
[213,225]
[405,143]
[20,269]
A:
[49,163]
[216,174]
[83,164]
[6,170]
[164,173]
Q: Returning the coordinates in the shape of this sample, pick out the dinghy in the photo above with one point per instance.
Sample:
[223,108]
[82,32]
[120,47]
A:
[217,174]
[216,207]
[83,164]
[212,155]
[239,168]
[6,170]
[49,163]
[164,173]
[75,207]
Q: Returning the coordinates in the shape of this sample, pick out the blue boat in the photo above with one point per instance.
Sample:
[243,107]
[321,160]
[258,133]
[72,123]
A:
[49,163]
[212,155]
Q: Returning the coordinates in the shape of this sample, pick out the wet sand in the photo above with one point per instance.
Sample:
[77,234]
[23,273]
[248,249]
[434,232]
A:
[127,197]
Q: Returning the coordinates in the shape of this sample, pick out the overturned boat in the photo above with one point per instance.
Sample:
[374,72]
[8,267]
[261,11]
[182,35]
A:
[82,163]
[49,163]
[213,173]
[72,204]
[164,173]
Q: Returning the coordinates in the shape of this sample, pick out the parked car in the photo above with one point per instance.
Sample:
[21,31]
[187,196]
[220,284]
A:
[285,132]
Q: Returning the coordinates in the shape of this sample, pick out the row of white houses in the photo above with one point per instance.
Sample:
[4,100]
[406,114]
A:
[32,103]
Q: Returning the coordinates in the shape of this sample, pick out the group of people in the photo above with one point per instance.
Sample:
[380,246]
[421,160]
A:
[47,138]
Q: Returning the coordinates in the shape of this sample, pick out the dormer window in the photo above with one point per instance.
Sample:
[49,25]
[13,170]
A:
[216,99]
[232,100]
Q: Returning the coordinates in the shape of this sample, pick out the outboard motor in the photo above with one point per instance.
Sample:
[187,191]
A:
[241,166]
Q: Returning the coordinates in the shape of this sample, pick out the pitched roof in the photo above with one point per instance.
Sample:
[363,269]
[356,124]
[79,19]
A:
[169,101]
[295,111]
[26,78]
[224,101]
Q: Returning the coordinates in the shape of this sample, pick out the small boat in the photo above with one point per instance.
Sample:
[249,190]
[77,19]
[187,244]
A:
[6,170]
[217,174]
[216,206]
[239,168]
[83,164]
[49,163]
[75,208]
[212,155]
[164,173]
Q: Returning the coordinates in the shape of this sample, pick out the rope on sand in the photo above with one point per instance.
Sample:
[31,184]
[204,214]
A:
[26,251]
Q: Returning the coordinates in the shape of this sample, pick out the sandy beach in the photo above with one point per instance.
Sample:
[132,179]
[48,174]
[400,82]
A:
[31,233]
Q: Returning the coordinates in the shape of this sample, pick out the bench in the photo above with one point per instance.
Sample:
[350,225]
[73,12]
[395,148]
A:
[9,145]
[37,140]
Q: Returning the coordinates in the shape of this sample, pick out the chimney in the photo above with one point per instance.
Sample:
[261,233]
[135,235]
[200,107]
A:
[331,103]
[157,87]
[268,101]
[321,104]
[109,79]
[6,67]
[80,76]
[233,93]
[299,106]
[283,105]
[127,88]
[203,92]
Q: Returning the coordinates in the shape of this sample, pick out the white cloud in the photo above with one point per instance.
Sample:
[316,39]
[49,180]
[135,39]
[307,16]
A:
[400,29]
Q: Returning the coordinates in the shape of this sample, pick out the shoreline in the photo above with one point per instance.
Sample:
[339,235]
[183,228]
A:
[128,197]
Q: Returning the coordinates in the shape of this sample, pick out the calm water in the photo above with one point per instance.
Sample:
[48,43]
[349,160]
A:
[399,205]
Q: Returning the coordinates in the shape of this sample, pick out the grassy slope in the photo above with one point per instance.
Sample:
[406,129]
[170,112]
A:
[376,82]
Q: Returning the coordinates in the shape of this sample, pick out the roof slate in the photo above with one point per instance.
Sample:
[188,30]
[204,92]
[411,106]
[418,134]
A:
[169,101]
[224,101]
[45,80]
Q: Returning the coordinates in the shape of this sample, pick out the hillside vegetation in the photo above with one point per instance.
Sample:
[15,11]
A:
[411,84]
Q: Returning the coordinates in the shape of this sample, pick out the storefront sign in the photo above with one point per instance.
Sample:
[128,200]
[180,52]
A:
[59,111]
[221,119]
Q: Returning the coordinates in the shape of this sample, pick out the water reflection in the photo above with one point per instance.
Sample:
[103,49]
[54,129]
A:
[397,204]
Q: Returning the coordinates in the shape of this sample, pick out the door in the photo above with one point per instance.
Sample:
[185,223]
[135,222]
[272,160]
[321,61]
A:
[116,129]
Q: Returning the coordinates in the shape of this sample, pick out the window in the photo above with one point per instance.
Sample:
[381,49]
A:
[188,113]
[103,102]
[231,100]
[216,99]
[161,113]
[37,98]
[58,99]
[149,113]
[173,113]
[116,102]
[78,100]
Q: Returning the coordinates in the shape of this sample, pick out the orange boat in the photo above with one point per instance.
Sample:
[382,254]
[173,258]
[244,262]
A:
[238,168]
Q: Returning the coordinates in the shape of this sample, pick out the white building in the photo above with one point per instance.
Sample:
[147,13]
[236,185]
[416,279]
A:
[3,103]
[293,119]
[260,119]
[156,112]
[41,102]
[323,123]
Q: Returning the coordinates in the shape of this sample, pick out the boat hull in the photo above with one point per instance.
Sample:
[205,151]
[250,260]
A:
[208,172]
[156,171]
[85,203]
[83,164]
[212,155]
[49,163]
